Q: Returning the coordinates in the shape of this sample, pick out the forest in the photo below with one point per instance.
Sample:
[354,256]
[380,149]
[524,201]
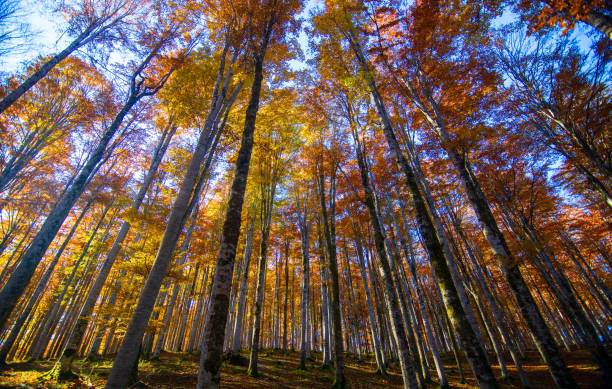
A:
[307,194]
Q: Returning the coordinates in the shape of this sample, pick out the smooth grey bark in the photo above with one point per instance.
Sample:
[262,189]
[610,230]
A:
[15,286]
[267,191]
[445,242]
[596,286]
[237,334]
[266,215]
[161,337]
[564,293]
[212,342]
[467,336]
[352,302]
[304,226]
[198,313]
[560,286]
[484,287]
[42,286]
[408,250]
[24,238]
[325,326]
[412,330]
[80,289]
[79,330]
[384,268]
[229,327]
[127,357]
[511,272]
[418,356]
[101,330]
[492,233]
[266,207]
[380,311]
[56,310]
[292,320]
[329,230]
[378,351]
[286,303]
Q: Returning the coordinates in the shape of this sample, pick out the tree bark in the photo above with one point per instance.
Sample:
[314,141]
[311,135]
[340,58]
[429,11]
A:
[79,330]
[127,356]
[467,337]
[15,286]
[378,351]
[212,342]
[329,230]
[304,224]
[90,33]
[237,335]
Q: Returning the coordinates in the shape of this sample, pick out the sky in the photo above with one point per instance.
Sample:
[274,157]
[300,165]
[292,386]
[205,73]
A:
[44,37]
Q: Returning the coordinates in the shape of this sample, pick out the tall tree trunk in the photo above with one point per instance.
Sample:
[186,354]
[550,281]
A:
[210,357]
[324,276]
[15,286]
[127,357]
[410,258]
[378,351]
[198,313]
[304,224]
[237,335]
[497,242]
[42,285]
[467,337]
[56,310]
[90,33]
[384,267]
[497,315]
[329,229]
[161,337]
[286,303]
[79,330]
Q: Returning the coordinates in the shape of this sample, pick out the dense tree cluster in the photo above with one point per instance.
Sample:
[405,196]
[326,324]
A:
[425,179]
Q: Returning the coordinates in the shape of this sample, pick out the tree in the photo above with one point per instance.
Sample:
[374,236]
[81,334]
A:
[138,89]
[221,101]
[89,22]
[266,23]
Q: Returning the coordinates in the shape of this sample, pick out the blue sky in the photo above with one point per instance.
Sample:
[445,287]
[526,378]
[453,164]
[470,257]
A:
[45,38]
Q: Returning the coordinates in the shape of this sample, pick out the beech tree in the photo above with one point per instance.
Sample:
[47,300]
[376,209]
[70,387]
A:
[423,184]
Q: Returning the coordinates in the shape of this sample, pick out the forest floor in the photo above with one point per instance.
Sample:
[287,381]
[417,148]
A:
[179,370]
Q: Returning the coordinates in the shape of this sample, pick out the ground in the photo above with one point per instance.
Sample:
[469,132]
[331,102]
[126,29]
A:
[179,370]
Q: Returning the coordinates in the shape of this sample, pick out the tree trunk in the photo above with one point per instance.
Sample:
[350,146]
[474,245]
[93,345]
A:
[329,230]
[196,320]
[237,335]
[210,357]
[378,351]
[79,330]
[15,286]
[469,341]
[42,285]
[286,303]
[128,352]
[304,227]
[86,36]
[384,267]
